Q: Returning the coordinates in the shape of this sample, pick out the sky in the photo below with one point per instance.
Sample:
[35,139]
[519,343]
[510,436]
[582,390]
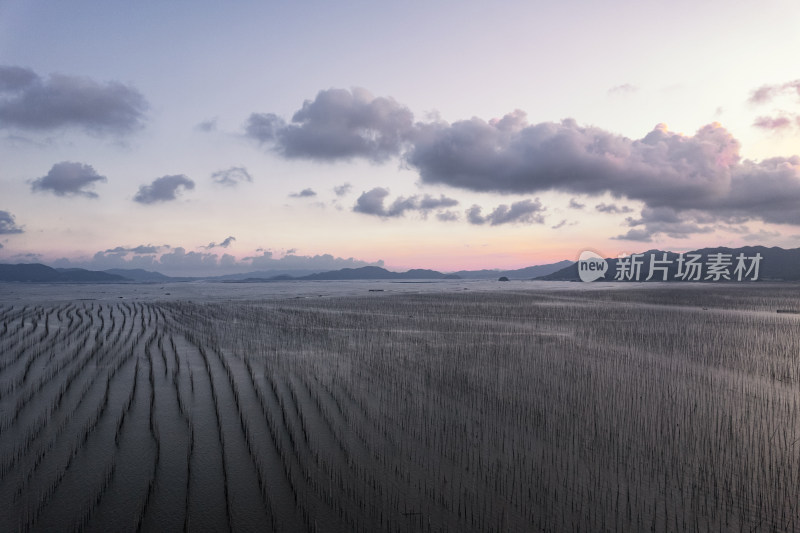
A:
[197,138]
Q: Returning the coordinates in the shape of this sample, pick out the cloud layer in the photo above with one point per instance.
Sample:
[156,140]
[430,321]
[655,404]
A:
[613,209]
[291,261]
[163,189]
[522,212]
[8,224]
[224,244]
[699,178]
[766,93]
[783,120]
[511,156]
[231,177]
[337,124]
[176,261]
[30,102]
[341,190]
[69,179]
[774,123]
[305,193]
[141,249]
[372,203]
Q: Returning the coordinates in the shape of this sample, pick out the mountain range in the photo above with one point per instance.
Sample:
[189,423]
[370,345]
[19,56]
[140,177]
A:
[35,272]
[776,264]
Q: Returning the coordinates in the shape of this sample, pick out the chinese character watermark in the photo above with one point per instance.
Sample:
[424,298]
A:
[591,266]
[681,267]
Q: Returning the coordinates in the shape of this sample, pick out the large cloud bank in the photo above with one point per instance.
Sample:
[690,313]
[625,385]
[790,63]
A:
[683,181]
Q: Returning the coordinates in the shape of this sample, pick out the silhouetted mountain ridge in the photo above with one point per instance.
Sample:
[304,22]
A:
[141,275]
[520,273]
[362,273]
[373,272]
[35,272]
[777,264]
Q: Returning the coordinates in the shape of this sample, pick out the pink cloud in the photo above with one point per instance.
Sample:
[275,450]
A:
[765,93]
[773,123]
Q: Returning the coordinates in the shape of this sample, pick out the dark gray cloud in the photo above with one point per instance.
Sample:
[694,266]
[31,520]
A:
[69,179]
[207,125]
[663,169]
[30,102]
[163,189]
[305,193]
[560,224]
[224,244]
[575,204]
[447,216]
[522,212]
[511,156]
[638,235]
[8,224]
[264,127]
[337,124]
[474,215]
[427,202]
[342,189]
[16,79]
[703,172]
[372,203]
[613,208]
[231,177]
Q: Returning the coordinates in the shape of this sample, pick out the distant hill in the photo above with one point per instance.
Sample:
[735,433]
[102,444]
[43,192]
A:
[373,272]
[141,275]
[35,272]
[363,273]
[777,264]
[263,274]
[520,273]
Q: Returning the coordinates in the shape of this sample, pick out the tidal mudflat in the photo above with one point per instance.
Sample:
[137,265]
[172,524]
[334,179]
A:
[378,406]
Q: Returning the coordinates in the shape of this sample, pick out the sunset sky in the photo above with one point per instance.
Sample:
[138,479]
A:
[207,137]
